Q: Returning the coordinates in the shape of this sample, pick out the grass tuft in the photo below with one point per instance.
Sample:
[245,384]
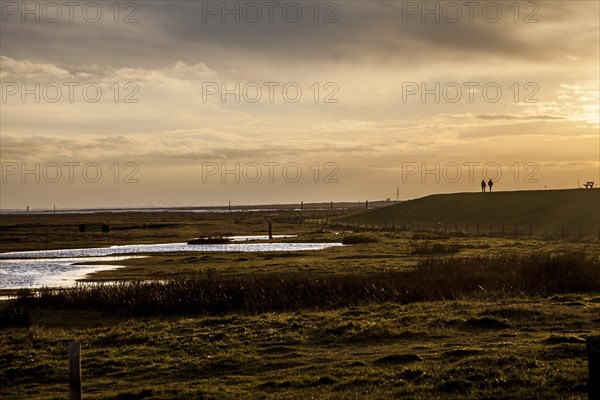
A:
[434,248]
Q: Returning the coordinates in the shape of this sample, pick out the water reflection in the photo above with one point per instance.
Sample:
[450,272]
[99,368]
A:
[38,268]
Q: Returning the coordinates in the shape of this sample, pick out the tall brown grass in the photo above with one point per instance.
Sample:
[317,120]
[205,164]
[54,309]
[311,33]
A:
[431,279]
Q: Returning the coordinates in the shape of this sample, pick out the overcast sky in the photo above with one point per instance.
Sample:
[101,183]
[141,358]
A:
[360,97]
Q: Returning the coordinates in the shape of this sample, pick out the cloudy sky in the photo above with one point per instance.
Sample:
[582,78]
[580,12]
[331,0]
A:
[156,103]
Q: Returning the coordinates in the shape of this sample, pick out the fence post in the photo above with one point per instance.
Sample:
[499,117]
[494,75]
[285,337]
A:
[75,370]
[593,351]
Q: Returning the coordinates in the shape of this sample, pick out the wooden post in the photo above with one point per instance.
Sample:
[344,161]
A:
[75,370]
[270,230]
[593,350]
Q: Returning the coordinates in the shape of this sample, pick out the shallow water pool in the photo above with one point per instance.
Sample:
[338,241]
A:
[34,269]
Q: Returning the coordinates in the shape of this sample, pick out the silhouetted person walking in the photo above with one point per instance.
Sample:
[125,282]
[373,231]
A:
[490,184]
[483,185]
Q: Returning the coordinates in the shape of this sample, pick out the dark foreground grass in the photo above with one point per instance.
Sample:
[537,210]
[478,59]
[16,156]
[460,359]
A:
[508,348]
[432,279]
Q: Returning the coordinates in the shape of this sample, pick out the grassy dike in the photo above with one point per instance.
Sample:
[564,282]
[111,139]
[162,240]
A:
[538,209]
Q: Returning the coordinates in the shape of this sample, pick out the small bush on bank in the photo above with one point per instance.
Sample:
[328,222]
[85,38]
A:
[358,239]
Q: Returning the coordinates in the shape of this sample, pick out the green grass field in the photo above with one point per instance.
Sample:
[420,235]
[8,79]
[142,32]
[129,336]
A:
[415,315]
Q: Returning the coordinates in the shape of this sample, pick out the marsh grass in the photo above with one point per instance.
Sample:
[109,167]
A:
[349,322]
[441,278]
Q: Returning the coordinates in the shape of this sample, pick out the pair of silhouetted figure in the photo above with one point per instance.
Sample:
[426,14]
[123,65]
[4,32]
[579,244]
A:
[483,184]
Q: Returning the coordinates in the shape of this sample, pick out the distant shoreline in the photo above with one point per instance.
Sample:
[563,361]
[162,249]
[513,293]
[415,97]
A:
[325,206]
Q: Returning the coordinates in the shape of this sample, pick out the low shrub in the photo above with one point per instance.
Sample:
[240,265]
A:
[358,239]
